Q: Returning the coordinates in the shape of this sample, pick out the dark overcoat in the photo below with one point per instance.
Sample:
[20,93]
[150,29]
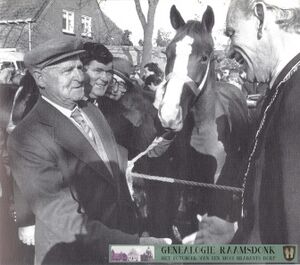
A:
[272,206]
[55,167]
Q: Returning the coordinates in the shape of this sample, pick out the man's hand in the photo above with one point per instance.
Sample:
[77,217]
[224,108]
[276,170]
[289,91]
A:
[212,230]
[26,234]
[155,241]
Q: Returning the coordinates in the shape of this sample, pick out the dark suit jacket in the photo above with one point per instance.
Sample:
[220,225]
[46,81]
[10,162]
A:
[272,191]
[55,166]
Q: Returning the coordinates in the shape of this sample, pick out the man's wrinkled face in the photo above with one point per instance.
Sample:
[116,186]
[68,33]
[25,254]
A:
[248,50]
[100,76]
[63,83]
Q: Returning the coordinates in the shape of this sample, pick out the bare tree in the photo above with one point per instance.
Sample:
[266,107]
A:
[148,26]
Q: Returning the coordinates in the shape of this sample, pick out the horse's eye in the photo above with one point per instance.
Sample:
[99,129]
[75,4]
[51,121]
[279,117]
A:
[204,58]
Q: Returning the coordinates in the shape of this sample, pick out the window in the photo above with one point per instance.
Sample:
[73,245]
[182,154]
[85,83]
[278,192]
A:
[68,22]
[86,25]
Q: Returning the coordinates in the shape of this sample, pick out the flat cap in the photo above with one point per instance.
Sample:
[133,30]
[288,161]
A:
[52,52]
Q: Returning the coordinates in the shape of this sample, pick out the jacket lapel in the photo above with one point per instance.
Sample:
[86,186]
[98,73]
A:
[106,136]
[67,135]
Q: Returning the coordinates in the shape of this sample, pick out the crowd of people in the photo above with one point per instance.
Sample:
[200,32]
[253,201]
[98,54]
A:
[72,122]
[99,82]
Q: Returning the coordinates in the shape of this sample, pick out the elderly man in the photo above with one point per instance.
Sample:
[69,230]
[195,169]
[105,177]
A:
[265,39]
[67,164]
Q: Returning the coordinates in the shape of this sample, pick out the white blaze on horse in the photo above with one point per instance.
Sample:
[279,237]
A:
[219,110]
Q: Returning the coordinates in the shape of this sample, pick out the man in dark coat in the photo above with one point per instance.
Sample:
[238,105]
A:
[265,39]
[270,53]
[67,164]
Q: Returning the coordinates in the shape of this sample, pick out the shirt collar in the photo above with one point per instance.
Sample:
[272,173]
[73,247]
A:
[284,71]
[63,110]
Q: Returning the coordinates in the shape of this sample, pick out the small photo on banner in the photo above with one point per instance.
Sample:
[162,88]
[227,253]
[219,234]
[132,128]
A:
[128,254]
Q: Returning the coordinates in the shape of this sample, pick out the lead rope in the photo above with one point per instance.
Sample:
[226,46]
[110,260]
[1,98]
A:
[156,142]
[130,175]
[259,132]
[186,182]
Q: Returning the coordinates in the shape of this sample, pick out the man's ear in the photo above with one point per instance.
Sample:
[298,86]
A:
[38,77]
[260,13]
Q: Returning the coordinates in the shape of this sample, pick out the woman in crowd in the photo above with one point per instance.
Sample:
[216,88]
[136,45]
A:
[127,110]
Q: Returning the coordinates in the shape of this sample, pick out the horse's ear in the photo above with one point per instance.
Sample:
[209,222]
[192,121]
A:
[176,19]
[208,19]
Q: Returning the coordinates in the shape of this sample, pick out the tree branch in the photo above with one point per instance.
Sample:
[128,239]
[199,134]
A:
[140,13]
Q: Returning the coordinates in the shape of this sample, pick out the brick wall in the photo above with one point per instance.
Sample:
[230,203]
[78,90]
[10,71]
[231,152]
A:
[49,24]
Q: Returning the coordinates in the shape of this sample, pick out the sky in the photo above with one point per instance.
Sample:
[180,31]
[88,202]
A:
[123,13]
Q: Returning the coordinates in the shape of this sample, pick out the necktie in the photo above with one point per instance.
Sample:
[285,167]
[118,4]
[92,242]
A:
[78,117]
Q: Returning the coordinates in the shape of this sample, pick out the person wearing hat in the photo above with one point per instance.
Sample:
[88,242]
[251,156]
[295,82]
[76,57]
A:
[68,166]
[265,38]
[126,108]
[122,79]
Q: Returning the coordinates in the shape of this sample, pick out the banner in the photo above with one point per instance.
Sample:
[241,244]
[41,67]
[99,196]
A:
[198,254]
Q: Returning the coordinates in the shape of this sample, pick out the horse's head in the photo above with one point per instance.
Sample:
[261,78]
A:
[189,57]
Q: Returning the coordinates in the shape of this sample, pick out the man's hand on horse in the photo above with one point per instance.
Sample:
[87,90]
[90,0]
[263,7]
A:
[212,230]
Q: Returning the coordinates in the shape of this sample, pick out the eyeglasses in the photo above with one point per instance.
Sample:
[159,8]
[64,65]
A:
[118,83]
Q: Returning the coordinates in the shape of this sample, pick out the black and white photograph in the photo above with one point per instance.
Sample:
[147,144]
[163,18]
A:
[146,123]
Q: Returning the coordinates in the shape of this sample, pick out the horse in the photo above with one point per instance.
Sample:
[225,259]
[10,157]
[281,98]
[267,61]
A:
[213,115]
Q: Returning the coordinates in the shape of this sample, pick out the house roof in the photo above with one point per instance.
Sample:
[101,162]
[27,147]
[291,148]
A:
[21,10]
[16,35]
[111,33]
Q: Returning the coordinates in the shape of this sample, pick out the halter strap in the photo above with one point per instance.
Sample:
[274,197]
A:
[186,80]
